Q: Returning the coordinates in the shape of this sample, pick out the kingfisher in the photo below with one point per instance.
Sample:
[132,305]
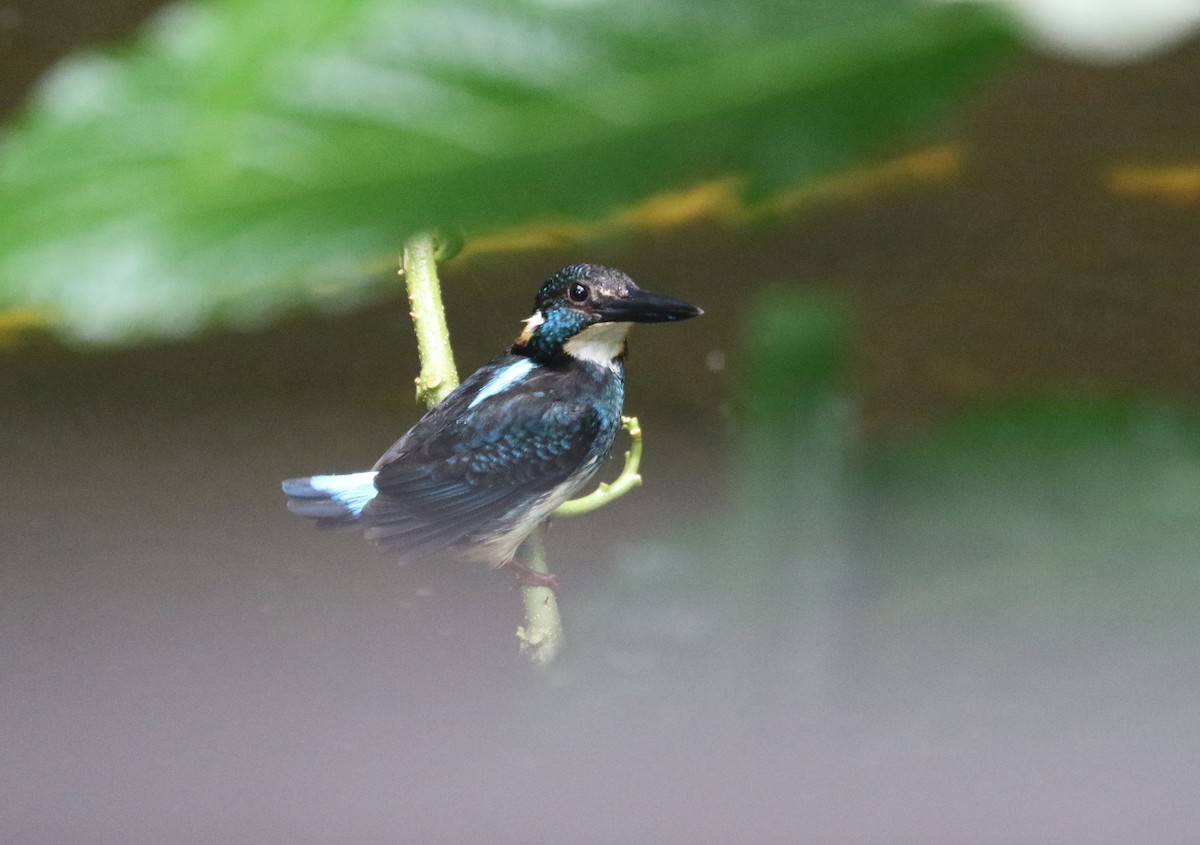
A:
[479,471]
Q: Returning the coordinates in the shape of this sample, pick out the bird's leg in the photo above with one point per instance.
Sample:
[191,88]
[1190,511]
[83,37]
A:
[527,577]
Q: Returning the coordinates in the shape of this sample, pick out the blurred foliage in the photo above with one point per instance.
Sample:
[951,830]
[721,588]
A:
[246,156]
[1041,552]
[1069,487]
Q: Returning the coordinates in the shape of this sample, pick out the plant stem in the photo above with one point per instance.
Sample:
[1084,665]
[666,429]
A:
[626,481]
[542,634]
[418,265]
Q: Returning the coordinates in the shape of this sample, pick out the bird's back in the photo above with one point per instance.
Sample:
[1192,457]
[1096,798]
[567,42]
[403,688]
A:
[495,458]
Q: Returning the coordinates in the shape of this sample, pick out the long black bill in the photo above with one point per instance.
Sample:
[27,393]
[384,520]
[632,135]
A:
[645,307]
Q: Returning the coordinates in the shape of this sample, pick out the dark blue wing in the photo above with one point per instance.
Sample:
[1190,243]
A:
[464,471]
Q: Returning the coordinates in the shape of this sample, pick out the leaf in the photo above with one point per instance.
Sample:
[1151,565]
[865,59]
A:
[247,157]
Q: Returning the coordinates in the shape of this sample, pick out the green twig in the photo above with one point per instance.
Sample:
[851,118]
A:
[626,481]
[418,265]
[542,634]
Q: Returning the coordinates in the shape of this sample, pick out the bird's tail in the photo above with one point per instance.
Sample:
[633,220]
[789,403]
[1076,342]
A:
[334,501]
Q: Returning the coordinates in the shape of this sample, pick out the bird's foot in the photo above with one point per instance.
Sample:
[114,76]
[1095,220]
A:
[527,577]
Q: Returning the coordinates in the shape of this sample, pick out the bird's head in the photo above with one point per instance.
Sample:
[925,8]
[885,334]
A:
[586,310]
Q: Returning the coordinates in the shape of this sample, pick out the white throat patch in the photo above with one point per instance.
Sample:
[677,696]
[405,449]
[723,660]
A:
[600,343]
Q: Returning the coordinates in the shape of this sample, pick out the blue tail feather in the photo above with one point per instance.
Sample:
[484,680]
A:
[334,501]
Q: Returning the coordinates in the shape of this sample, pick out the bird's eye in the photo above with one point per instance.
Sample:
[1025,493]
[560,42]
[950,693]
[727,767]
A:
[578,292]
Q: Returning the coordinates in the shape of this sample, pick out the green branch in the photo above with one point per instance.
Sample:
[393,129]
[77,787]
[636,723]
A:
[542,634]
[418,265]
[626,481]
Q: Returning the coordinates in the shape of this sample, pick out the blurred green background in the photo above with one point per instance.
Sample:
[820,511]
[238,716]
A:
[916,555]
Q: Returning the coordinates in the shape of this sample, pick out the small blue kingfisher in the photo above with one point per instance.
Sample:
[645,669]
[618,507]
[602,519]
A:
[514,441]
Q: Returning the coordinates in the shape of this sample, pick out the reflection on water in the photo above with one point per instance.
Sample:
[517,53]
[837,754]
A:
[990,636]
[1000,645]
[986,637]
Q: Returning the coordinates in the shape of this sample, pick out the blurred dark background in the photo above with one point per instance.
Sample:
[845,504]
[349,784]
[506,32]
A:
[945,590]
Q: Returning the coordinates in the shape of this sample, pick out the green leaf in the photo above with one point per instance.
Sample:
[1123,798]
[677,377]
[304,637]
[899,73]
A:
[248,156]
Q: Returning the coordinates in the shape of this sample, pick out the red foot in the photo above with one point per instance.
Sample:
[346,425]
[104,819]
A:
[527,577]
